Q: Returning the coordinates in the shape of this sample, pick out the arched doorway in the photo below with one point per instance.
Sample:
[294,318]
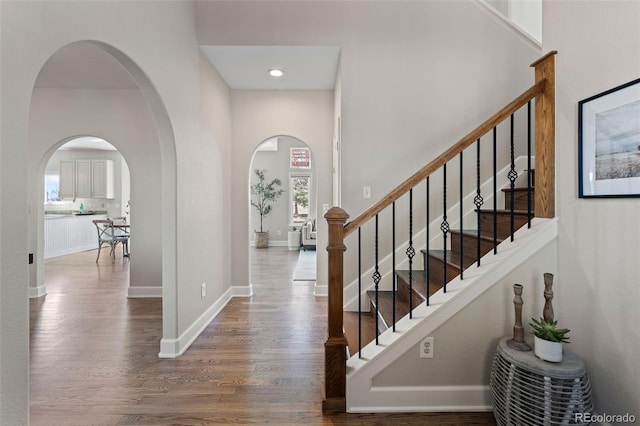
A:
[85,178]
[291,219]
[132,117]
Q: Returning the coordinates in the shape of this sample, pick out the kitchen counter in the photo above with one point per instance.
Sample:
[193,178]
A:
[66,232]
[61,213]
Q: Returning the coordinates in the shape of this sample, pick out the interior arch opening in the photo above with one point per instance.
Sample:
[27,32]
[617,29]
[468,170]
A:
[285,167]
[91,89]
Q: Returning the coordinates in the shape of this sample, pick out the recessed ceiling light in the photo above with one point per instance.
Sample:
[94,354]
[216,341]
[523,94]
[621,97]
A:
[276,72]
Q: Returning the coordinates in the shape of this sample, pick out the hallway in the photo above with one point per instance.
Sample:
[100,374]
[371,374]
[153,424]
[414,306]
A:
[94,354]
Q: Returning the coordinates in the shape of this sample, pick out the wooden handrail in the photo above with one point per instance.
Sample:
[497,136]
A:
[446,156]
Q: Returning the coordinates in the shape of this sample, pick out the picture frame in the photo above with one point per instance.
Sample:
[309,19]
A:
[609,143]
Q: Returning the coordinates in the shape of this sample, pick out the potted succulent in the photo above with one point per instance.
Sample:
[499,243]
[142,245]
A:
[263,195]
[548,339]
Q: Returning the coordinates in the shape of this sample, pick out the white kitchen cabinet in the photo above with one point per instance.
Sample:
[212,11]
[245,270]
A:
[86,179]
[83,179]
[102,179]
[67,187]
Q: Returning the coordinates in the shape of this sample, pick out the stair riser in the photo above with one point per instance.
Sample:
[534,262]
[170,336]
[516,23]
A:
[519,200]
[470,245]
[503,224]
[403,291]
[436,270]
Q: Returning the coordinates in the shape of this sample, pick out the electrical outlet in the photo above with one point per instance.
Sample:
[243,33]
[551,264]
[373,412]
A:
[203,290]
[426,348]
[279,232]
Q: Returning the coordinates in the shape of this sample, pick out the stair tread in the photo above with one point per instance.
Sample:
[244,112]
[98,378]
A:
[474,233]
[506,211]
[385,306]
[350,327]
[518,189]
[419,282]
[440,254]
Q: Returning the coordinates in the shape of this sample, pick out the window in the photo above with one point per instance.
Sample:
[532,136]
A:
[51,188]
[299,197]
[300,158]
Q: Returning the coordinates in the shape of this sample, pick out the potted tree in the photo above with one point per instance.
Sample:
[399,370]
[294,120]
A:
[263,195]
[548,339]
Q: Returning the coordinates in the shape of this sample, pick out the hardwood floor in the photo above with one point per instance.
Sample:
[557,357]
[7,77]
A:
[94,354]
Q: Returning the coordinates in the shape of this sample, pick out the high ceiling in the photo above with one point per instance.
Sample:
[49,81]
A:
[305,67]
[85,65]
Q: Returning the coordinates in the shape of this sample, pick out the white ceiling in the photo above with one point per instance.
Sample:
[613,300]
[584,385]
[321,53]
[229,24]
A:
[88,143]
[305,67]
[86,66]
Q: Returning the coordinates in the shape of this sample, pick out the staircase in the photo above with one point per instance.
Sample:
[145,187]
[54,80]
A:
[390,316]
[411,285]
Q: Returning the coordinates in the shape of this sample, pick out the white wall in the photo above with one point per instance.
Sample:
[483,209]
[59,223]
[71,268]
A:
[257,116]
[156,41]
[598,246]
[121,117]
[464,346]
[407,93]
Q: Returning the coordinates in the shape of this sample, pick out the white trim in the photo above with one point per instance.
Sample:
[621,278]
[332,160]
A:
[514,27]
[142,292]
[71,250]
[320,290]
[173,348]
[35,292]
[422,399]
[272,243]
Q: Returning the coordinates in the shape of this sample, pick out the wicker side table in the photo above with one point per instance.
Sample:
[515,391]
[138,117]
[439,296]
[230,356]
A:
[529,391]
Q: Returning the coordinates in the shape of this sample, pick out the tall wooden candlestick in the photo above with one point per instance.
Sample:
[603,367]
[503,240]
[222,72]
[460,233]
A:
[518,342]
[547,312]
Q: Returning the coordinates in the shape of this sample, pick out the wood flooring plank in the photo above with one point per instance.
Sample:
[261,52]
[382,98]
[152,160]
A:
[94,354]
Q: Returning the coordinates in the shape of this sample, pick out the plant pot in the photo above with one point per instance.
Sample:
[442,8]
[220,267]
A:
[547,350]
[262,239]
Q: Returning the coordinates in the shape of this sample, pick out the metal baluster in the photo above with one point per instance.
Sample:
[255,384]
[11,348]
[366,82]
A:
[426,256]
[393,256]
[444,227]
[512,175]
[529,164]
[359,292]
[461,223]
[410,253]
[495,194]
[477,200]
[376,277]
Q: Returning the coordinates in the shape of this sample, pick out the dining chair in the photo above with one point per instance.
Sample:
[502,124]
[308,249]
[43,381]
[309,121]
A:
[121,229]
[107,234]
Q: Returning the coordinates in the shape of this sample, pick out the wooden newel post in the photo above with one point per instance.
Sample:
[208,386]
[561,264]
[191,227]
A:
[335,348]
[545,137]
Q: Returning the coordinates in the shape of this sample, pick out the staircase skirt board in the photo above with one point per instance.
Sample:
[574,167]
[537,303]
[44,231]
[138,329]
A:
[364,396]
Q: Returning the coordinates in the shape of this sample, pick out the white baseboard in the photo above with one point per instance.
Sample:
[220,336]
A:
[320,290]
[143,292]
[417,399]
[173,348]
[35,292]
[273,243]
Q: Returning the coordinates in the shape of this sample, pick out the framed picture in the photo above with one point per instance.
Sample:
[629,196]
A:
[609,143]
